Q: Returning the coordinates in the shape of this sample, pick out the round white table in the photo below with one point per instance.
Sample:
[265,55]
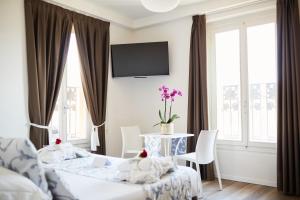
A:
[167,138]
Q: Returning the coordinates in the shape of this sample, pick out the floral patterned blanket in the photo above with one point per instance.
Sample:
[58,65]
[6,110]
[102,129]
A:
[177,186]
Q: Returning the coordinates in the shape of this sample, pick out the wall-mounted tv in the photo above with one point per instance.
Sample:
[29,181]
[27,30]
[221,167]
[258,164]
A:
[140,59]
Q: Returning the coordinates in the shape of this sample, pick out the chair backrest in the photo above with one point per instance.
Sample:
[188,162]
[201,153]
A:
[205,148]
[130,138]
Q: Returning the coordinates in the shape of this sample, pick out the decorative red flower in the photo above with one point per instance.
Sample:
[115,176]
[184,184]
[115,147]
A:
[143,154]
[57,141]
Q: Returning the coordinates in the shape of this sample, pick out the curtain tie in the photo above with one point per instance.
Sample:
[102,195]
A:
[39,126]
[49,128]
[97,126]
[94,137]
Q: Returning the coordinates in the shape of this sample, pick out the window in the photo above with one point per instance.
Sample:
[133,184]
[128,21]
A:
[70,118]
[228,85]
[242,80]
[262,82]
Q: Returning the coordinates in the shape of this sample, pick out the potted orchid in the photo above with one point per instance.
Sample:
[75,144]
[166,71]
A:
[167,118]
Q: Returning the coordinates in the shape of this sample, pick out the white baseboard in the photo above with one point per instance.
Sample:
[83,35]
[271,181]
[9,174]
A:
[249,180]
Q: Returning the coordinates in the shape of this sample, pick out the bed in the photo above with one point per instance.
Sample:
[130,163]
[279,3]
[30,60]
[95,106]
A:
[65,172]
[92,183]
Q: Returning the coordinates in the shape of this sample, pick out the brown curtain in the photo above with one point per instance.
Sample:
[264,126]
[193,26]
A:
[288,150]
[197,102]
[93,43]
[48,30]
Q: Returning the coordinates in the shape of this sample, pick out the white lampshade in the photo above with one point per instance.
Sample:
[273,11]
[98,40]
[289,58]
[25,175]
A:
[160,5]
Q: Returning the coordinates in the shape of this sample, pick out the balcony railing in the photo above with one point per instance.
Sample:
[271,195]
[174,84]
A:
[262,112]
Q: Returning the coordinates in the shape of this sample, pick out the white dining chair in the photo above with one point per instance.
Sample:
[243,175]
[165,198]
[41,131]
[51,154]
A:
[205,153]
[131,140]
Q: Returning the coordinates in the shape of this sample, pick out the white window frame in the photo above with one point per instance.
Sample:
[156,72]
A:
[63,115]
[241,23]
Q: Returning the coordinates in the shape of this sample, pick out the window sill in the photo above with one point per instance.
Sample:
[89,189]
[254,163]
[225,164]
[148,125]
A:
[250,148]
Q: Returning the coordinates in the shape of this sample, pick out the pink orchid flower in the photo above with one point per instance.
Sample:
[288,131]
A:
[167,97]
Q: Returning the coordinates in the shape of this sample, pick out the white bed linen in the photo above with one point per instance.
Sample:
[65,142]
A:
[97,184]
[87,188]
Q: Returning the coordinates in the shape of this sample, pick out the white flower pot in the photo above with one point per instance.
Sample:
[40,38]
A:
[167,128]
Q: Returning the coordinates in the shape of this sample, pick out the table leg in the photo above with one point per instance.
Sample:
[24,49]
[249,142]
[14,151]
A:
[165,146]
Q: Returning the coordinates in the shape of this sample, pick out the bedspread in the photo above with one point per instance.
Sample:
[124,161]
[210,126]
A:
[176,185]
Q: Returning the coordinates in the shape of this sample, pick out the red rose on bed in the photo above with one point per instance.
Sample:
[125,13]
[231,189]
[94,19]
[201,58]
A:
[57,141]
[143,154]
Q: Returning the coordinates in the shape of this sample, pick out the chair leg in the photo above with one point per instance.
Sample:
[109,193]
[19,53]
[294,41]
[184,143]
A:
[191,164]
[200,195]
[218,173]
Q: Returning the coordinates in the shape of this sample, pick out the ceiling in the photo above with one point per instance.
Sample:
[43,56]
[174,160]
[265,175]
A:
[133,9]
[131,13]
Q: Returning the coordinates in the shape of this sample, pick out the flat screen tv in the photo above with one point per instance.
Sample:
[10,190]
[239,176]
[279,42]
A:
[140,59]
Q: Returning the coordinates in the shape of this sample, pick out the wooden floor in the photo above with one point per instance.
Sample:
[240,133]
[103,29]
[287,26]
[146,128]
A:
[233,190]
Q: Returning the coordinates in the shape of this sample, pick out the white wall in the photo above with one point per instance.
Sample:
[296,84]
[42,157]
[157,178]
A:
[118,102]
[253,165]
[13,74]
[136,101]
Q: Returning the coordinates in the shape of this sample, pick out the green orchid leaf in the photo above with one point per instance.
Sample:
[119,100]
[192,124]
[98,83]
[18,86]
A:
[173,118]
[160,116]
[157,124]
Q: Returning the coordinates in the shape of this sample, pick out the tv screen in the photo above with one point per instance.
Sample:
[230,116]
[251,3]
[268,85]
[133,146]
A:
[140,59]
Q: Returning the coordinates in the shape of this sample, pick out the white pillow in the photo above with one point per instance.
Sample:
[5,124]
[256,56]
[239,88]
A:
[14,186]
[81,153]
[58,153]
[51,157]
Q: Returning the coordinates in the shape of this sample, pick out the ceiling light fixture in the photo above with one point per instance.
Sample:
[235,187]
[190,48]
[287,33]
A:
[160,5]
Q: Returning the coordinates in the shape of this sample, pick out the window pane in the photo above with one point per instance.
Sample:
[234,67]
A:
[262,82]
[75,104]
[228,85]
